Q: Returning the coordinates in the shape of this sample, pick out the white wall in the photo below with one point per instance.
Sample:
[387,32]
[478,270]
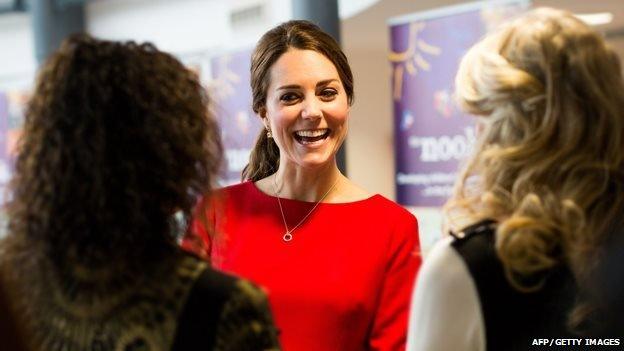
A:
[17,61]
[183,27]
[274,12]
[370,144]
[180,26]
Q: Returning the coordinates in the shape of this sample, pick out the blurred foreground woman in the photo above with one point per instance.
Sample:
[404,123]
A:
[541,201]
[117,144]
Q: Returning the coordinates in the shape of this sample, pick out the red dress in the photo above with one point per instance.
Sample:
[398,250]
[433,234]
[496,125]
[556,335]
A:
[344,282]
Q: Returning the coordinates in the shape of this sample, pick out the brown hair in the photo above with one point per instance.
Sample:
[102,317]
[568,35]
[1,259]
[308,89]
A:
[298,34]
[117,138]
[549,162]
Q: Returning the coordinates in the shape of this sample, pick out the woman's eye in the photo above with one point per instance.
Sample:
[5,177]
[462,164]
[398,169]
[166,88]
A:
[289,97]
[328,93]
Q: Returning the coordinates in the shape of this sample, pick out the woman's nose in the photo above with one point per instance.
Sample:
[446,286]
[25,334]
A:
[311,109]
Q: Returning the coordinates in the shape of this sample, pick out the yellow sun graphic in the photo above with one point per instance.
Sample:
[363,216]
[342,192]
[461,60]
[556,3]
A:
[412,59]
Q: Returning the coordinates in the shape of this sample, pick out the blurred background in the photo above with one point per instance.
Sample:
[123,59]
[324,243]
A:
[403,54]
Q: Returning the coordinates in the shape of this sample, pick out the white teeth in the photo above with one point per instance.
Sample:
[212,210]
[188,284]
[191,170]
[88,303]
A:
[311,133]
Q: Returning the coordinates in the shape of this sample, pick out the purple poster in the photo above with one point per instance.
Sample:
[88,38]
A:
[240,126]
[431,135]
[4,122]
[12,105]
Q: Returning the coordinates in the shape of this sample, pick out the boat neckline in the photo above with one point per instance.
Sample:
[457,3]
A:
[255,187]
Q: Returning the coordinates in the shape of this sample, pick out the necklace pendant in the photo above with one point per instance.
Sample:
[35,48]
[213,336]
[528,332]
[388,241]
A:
[287,237]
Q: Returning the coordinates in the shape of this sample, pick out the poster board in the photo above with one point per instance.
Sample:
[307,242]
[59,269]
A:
[432,136]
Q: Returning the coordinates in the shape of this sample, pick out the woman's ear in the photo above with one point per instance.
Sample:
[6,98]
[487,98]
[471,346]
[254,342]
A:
[263,118]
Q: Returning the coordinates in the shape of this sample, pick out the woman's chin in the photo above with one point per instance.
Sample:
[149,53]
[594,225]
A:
[315,161]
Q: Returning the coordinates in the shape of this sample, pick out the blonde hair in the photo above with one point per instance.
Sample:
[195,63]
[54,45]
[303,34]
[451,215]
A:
[549,160]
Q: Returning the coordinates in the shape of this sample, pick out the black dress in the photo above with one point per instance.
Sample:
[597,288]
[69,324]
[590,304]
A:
[513,318]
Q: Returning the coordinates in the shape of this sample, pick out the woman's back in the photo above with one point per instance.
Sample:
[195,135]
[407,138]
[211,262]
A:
[548,168]
[542,313]
[178,304]
[118,144]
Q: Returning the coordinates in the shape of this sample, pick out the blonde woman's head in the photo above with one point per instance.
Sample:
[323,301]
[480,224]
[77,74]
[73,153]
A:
[548,163]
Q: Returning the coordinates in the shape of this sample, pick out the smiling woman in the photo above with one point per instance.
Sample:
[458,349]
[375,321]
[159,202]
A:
[338,262]
[306,109]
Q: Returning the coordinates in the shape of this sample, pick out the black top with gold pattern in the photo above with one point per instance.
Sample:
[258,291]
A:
[183,305]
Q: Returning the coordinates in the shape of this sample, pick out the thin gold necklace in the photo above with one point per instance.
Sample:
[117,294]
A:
[288,235]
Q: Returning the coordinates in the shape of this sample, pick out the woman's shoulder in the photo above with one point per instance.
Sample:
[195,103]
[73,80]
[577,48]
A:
[224,195]
[442,261]
[220,303]
[246,322]
[390,209]
[446,301]
[242,188]
[385,220]
[217,285]
[444,275]
[379,204]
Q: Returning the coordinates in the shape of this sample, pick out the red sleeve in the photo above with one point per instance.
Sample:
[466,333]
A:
[389,331]
[198,238]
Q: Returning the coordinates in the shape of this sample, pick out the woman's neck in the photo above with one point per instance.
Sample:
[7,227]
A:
[306,184]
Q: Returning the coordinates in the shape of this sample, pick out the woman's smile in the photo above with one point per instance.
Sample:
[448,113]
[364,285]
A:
[312,137]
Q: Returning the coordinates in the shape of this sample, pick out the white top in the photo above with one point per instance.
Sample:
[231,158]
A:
[446,313]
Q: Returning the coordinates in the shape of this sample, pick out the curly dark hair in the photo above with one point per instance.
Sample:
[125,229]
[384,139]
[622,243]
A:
[117,139]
